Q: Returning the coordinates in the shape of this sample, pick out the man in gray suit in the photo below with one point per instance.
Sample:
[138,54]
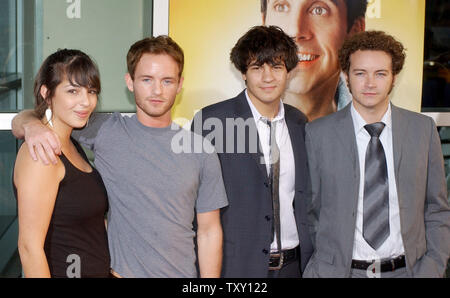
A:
[378,201]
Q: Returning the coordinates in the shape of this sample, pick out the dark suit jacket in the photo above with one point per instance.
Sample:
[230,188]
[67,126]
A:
[247,220]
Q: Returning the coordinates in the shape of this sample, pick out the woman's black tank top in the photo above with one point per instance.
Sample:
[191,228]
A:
[76,244]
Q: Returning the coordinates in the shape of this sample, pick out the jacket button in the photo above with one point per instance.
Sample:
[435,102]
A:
[267,217]
[265,251]
[266,184]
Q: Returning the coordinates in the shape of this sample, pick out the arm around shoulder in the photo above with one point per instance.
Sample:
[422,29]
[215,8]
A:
[21,120]
[41,140]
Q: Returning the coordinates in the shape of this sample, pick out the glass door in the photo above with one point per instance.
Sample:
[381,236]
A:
[10,80]
[10,85]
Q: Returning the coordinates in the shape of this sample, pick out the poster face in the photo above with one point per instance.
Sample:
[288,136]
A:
[208,29]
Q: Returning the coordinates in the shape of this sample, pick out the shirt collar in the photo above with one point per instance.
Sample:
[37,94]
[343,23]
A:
[359,122]
[258,117]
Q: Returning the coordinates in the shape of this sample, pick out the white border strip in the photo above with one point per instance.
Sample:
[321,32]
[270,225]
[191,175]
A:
[441,119]
[5,120]
[160,17]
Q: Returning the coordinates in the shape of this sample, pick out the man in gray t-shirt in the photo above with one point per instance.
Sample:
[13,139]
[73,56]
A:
[154,188]
[159,188]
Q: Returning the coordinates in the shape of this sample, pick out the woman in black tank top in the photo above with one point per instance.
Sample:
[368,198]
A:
[62,206]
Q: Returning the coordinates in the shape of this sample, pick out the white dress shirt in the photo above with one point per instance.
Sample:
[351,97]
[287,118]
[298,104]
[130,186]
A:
[289,234]
[393,246]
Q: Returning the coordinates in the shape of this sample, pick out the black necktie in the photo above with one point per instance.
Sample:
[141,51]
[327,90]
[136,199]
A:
[275,179]
[376,190]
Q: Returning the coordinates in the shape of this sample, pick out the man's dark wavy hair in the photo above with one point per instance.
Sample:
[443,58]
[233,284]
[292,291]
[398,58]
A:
[355,10]
[373,41]
[263,44]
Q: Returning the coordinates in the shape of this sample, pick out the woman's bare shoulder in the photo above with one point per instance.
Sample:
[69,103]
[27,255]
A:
[28,168]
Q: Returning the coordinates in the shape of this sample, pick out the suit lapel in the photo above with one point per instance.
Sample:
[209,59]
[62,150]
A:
[296,134]
[346,132]
[399,128]
[242,110]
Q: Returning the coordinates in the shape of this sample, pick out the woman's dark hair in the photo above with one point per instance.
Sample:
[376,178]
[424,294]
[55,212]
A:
[73,65]
[263,44]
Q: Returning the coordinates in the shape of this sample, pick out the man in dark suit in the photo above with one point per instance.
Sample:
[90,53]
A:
[260,143]
[379,200]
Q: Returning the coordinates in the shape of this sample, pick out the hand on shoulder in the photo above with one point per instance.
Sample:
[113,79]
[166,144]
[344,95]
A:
[42,142]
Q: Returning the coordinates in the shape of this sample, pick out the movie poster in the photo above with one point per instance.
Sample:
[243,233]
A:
[208,29]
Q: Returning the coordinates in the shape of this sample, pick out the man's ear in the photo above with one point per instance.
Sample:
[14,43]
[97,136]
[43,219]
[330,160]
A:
[345,76]
[346,80]
[180,85]
[129,82]
[359,25]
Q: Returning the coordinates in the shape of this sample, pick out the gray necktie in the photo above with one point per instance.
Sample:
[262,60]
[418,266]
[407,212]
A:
[275,179]
[376,190]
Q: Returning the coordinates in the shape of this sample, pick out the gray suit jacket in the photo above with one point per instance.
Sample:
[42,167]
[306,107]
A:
[419,174]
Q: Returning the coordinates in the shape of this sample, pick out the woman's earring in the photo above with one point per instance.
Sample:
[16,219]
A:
[48,115]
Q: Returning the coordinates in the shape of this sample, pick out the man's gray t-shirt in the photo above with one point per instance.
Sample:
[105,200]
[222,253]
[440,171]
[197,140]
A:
[153,194]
